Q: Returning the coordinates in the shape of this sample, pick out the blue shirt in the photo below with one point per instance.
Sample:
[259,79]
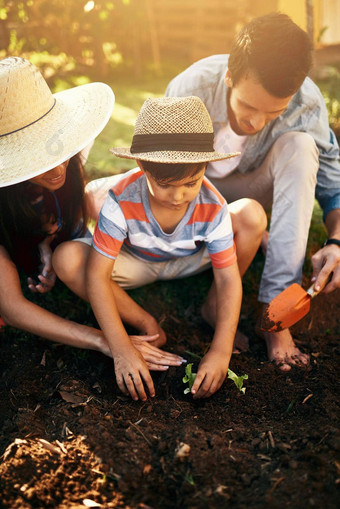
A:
[306,112]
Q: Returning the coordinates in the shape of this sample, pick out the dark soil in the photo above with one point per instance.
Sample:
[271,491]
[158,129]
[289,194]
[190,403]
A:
[69,439]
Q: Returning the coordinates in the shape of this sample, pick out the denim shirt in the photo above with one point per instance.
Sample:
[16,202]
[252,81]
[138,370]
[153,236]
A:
[306,112]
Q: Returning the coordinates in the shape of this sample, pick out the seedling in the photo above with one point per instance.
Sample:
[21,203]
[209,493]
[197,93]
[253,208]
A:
[189,378]
[238,380]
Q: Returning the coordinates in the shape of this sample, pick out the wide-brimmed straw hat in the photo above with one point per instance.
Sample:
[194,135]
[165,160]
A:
[40,130]
[173,130]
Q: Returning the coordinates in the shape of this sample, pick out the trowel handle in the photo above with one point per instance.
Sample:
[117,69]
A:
[311,292]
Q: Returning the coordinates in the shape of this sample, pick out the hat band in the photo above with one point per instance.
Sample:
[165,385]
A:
[180,142]
[34,121]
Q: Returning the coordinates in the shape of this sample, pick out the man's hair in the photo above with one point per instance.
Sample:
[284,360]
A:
[171,172]
[273,50]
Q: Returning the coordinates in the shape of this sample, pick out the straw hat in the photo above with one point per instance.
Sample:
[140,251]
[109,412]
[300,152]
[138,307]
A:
[173,130]
[39,130]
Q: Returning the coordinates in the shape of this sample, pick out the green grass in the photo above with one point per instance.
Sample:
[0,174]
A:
[119,130]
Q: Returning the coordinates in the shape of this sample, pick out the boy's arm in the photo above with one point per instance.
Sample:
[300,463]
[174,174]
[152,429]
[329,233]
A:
[214,365]
[130,367]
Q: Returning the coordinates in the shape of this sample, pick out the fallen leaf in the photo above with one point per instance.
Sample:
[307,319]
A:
[70,397]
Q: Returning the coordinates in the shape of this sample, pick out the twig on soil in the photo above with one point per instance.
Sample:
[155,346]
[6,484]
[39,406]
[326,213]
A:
[141,432]
[62,447]
[307,398]
[276,483]
[66,431]
[271,439]
[264,457]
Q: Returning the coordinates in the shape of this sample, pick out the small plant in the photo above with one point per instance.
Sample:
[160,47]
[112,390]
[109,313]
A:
[189,378]
[238,380]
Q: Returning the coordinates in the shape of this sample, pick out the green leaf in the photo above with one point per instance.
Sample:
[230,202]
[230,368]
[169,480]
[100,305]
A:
[238,380]
[189,378]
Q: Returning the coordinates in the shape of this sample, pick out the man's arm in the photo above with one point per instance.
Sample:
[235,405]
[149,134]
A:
[130,367]
[214,365]
[326,261]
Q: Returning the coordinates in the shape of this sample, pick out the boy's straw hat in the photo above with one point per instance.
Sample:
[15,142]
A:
[173,130]
[38,130]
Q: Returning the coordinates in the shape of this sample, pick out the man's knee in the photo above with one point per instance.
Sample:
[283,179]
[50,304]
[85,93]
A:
[248,214]
[296,140]
[299,145]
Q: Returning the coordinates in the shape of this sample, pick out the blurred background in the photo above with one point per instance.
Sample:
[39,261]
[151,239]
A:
[137,46]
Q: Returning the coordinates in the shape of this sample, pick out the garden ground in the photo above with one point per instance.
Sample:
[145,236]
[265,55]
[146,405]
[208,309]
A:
[70,439]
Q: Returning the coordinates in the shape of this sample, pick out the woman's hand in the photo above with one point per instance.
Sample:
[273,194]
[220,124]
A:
[47,275]
[156,359]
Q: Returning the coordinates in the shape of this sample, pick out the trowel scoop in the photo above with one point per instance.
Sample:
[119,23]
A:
[287,308]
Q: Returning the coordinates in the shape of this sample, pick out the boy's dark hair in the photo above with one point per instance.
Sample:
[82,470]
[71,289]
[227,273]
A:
[274,50]
[171,172]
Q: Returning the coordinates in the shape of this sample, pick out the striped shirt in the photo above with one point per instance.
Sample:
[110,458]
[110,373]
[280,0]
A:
[126,218]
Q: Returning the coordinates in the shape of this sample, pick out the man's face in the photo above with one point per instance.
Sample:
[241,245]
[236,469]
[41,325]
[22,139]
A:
[250,106]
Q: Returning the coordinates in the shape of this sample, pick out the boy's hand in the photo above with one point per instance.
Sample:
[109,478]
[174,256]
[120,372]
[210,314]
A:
[211,374]
[156,359]
[131,371]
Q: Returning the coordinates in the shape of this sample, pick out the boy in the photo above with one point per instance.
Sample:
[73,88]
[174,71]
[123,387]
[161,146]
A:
[161,221]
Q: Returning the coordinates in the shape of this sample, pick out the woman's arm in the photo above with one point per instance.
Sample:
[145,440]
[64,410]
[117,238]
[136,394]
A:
[19,312]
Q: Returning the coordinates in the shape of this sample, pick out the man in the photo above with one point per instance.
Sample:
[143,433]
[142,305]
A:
[263,104]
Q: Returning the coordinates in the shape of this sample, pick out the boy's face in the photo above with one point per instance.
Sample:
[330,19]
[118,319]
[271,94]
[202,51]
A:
[250,106]
[175,195]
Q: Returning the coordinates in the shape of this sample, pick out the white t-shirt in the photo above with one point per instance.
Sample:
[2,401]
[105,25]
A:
[226,141]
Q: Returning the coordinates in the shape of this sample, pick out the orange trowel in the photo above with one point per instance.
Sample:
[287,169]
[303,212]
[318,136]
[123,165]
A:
[287,308]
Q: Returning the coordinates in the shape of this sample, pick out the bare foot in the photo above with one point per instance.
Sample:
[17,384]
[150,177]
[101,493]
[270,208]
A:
[241,343]
[282,350]
[264,242]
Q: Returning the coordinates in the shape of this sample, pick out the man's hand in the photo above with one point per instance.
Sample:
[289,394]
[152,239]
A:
[326,263]
[156,359]
[47,275]
[131,374]
[211,374]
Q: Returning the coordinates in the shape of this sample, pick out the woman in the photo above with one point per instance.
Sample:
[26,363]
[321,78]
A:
[42,199]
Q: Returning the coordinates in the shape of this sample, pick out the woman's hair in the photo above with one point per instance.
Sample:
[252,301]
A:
[274,51]
[171,172]
[19,219]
